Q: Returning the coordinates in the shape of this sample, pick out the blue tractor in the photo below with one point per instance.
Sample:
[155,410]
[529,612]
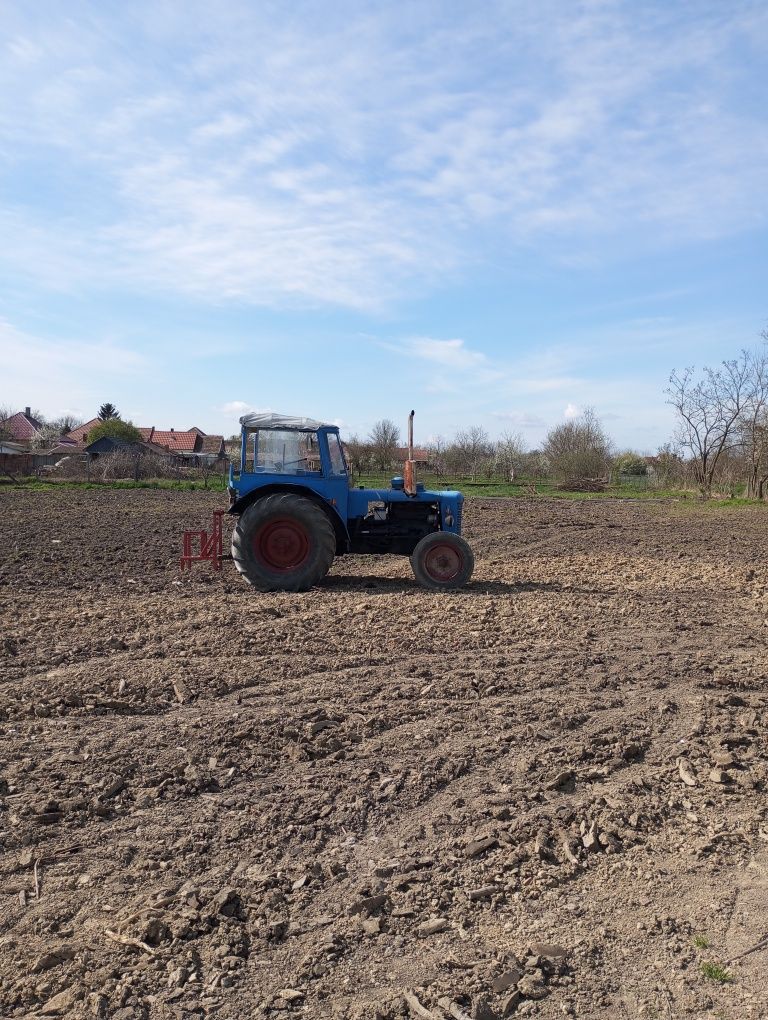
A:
[296,509]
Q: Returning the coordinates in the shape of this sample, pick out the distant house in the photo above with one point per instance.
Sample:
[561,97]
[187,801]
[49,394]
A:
[64,449]
[21,427]
[80,434]
[15,458]
[111,444]
[193,445]
[420,456]
[176,442]
[11,449]
[210,447]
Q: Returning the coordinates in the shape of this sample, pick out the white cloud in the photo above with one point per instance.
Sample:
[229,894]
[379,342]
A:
[571,411]
[236,408]
[277,168]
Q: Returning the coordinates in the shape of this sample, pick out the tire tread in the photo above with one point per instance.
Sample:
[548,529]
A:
[284,504]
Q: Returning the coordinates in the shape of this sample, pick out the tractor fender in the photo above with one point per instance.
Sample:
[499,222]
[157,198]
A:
[339,526]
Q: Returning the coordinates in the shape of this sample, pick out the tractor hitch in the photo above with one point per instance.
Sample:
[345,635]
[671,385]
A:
[210,545]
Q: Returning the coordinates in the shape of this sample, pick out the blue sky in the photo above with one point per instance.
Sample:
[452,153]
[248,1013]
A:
[496,213]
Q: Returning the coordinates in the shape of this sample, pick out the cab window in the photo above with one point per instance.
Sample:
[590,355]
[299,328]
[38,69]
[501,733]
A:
[338,467]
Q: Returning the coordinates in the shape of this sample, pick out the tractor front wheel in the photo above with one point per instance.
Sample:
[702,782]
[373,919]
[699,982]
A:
[283,542]
[442,561]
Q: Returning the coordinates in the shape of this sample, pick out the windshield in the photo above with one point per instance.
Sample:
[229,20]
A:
[279,451]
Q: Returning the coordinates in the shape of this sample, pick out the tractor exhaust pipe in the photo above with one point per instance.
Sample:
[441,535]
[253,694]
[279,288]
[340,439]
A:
[410,467]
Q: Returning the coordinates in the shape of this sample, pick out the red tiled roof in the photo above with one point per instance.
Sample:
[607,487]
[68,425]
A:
[21,426]
[147,433]
[210,445]
[64,449]
[78,435]
[184,441]
[154,448]
[402,454]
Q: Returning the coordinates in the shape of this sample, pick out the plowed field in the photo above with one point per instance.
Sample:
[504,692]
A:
[544,795]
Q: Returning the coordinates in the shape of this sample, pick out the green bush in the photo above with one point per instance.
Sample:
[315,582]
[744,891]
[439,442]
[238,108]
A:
[115,428]
[630,464]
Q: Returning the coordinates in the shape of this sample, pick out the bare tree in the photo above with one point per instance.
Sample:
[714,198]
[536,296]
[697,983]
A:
[436,455]
[6,411]
[709,413]
[469,451]
[534,464]
[52,431]
[579,448]
[753,425]
[668,466]
[66,423]
[509,454]
[383,442]
[358,454]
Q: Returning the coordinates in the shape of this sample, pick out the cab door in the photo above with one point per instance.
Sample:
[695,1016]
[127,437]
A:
[335,472]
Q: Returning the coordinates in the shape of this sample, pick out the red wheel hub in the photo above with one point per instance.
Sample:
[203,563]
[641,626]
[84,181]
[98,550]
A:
[443,562]
[282,544]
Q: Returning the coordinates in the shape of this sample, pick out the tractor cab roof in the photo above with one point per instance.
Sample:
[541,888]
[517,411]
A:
[282,421]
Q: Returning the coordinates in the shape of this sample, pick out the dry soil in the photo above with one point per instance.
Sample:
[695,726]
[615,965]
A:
[544,795]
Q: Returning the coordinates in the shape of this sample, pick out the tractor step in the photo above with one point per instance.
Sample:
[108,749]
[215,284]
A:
[210,545]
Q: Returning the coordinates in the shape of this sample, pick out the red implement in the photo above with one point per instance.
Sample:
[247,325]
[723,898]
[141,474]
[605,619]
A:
[210,545]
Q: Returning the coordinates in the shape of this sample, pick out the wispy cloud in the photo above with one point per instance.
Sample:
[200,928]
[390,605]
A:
[520,419]
[449,353]
[450,365]
[59,373]
[329,159]
[18,347]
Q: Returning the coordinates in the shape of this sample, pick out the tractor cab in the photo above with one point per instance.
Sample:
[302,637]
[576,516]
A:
[278,452]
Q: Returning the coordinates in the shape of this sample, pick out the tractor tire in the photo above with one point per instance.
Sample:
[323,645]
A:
[283,542]
[442,561]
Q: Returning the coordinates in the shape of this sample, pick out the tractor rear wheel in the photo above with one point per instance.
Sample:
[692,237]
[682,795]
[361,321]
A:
[442,561]
[283,542]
